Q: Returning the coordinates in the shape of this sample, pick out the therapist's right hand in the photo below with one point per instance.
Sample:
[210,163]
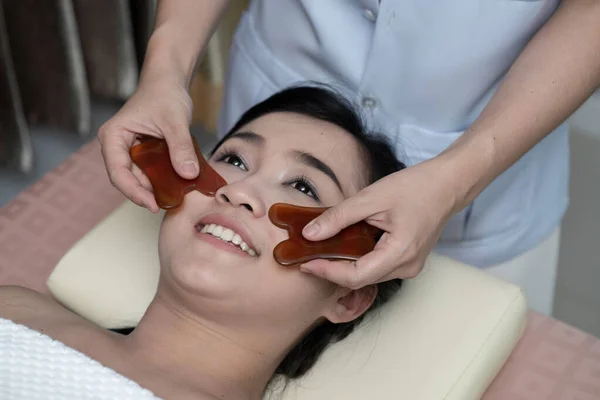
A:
[159,109]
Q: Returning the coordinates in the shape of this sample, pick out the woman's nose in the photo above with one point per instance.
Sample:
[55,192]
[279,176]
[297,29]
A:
[241,194]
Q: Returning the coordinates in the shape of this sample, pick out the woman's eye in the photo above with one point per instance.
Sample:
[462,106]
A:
[234,160]
[304,187]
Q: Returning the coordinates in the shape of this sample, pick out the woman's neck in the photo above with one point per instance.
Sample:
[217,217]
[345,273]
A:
[191,351]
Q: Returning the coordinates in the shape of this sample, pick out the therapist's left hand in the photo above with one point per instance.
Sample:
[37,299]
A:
[411,206]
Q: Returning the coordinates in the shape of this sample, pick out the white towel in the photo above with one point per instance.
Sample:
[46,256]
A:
[34,366]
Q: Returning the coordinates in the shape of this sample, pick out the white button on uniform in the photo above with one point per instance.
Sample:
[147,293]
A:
[370,15]
[369,102]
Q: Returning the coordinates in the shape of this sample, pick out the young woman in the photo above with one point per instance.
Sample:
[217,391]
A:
[227,318]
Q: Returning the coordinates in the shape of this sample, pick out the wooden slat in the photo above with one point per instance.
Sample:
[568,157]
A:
[207,87]
[106,33]
[143,15]
[49,63]
[15,144]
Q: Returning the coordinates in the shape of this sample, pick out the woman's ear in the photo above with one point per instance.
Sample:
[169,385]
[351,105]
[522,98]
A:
[351,304]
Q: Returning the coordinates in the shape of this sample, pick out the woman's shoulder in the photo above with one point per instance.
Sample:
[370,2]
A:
[19,303]
[37,311]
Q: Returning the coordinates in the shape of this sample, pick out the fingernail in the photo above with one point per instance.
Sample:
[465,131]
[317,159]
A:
[189,167]
[311,229]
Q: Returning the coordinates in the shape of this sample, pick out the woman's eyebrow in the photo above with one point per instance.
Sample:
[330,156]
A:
[312,161]
[249,137]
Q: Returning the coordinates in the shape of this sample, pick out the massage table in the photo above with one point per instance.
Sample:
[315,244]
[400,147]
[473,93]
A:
[552,360]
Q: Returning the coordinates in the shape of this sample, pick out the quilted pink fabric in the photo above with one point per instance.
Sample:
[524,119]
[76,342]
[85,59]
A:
[44,221]
[553,360]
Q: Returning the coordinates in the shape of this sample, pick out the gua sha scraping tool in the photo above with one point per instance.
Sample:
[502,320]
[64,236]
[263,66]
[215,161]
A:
[152,156]
[350,244]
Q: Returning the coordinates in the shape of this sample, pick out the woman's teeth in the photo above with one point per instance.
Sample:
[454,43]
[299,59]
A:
[227,235]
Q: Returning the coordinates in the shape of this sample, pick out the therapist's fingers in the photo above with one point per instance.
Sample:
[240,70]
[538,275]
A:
[182,154]
[407,270]
[115,151]
[411,207]
[181,148]
[352,210]
[145,182]
[141,177]
[391,258]
[343,273]
[387,261]
[349,274]
[394,275]
[353,276]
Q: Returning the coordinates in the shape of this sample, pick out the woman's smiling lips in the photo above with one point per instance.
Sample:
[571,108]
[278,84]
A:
[225,233]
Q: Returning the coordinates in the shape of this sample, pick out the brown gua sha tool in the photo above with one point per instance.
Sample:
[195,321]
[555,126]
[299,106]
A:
[152,156]
[349,244]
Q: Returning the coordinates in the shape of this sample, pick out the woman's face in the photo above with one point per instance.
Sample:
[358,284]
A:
[221,248]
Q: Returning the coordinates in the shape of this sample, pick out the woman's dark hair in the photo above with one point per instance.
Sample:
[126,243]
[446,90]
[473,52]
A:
[323,103]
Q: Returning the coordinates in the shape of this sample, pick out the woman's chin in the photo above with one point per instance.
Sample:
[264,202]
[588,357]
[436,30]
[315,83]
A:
[204,278]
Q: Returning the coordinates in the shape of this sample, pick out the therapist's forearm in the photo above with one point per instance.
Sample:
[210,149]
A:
[182,30]
[556,72]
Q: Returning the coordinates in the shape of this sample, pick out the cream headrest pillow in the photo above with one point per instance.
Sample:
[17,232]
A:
[444,336]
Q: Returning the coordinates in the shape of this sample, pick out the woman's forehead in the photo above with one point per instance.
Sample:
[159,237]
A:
[290,130]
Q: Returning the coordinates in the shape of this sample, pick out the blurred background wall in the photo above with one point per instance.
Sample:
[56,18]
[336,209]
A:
[62,59]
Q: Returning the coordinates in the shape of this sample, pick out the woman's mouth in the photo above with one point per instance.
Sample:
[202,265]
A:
[226,235]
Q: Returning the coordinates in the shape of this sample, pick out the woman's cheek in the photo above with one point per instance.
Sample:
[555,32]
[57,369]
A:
[226,173]
[297,284]
[171,230]
[164,240]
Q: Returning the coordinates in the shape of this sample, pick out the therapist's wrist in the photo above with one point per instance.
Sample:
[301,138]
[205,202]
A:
[168,62]
[467,167]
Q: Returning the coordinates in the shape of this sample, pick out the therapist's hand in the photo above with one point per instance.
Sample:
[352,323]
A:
[159,109]
[411,206]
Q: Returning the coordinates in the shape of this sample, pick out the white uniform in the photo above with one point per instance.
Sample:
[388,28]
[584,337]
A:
[422,72]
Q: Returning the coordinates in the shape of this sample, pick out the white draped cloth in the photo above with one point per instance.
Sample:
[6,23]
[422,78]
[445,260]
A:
[34,366]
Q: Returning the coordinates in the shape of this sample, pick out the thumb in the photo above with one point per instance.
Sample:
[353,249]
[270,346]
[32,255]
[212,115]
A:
[333,220]
[182,152]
